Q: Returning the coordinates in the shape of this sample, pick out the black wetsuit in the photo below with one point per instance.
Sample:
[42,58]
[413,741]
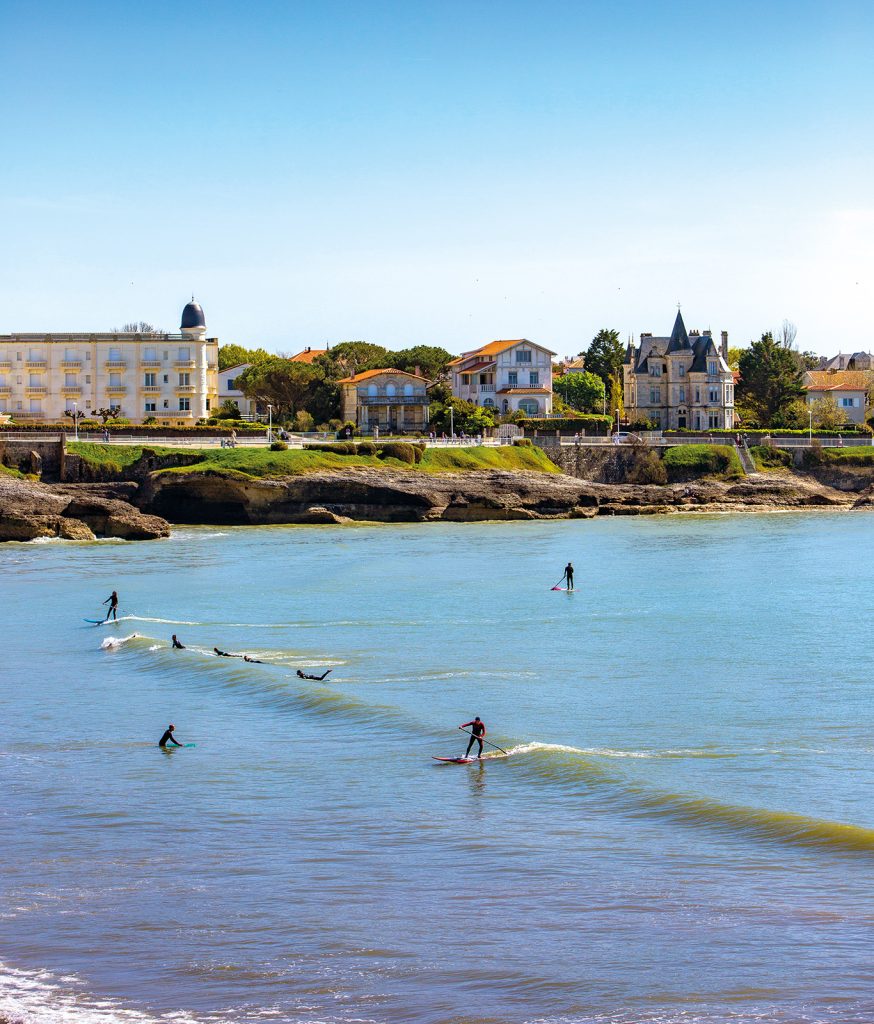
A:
[303,675]
[477,728]
[112,601]
[569,576]
[177,645]
[168,738]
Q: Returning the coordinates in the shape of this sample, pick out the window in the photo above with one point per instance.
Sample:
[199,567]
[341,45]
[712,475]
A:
[115,380]
[390,390]
[372,390]
[87,378]
[529,406]
[115,355]
[465,379]
[523,355]
[3,406]
[34,380]
[655,396]
[36,405]
[70,354]
[69,380]
[512,379]
[184,404]
[656,417]
[849,403]
[184,354]
[166,403]
[713,395]
[489,403]
[2,380]
[682,394]
[166,354]
[34,355]
[208,404]
[655,369]
[166,378]
[697,394]
[534,378]
[149,380]
[150,354]
[408,390]
[682,370]
[151,406]
[713,421]
[184,380]
[711,367]
[70,405]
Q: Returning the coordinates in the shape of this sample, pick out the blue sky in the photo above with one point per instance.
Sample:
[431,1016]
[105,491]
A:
[439,173]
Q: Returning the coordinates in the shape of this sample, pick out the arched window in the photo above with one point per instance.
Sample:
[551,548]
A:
[505,406]
[371,390]
[530,406]
[390,390]
[489,403]
[408,390]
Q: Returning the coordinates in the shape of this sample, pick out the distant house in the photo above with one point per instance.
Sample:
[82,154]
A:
[682,381]
[229,392]
[848,361]
[508,376]
[308,355]
[391,400]
[848,389]
[577,365]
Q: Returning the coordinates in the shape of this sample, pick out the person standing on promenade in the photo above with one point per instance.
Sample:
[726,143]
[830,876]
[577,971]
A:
[478,731]
[569,575]
[168,737]
[112,601]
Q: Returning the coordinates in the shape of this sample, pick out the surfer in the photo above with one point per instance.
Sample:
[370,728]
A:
[252,661]
[318,679]
[478,731]
[177,645]
[569,575]
[225,654]
[112,601]
[168,737]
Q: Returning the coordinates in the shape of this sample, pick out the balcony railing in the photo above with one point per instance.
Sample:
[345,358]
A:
[393,400]
[150,362]
[71,364]
[487,388]
[5,364]
[5,389]
[186,388]
[116,389]
[36,364]
[151,389]
[116,364]
[184,363]
[71,389]
[31,390]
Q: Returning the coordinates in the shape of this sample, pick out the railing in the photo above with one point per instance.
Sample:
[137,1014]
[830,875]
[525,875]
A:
[71,364]
[185,387]
[184,363]
[152,389]
[487,388]
[5,364]
[5,389]
[71,389]
[116,364]
[151,363]
[116,389]
[393,400]
[35,364]
[34,390]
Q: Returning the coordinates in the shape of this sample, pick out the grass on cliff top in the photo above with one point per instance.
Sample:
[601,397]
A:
[770,460]
[261,462]
[850,456]
[690,461]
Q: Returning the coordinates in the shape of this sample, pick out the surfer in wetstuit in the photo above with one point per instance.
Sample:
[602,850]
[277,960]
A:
[304,675]
[168,737]
[177,645]
[478,731]
[112,601]
[569,575]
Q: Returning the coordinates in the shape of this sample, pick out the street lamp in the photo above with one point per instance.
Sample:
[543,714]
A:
[451,423]
[76,421]
[810,428]
[270,424]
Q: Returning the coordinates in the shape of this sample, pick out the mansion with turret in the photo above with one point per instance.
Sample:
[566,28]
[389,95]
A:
[171,379]
[681,381]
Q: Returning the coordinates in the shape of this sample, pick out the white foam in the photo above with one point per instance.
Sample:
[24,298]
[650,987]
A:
[111,642]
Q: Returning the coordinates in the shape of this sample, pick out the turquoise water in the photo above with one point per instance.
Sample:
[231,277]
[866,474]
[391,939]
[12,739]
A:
[683,831]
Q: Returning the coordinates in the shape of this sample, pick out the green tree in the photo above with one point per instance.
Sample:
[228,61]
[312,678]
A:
[770,381]
[582,391]
[233,355]
[351,357]
[280,383]
[431,360]
[734,354]
[826,413]
[616,401]
[228,410]
[465,416]
[605,355]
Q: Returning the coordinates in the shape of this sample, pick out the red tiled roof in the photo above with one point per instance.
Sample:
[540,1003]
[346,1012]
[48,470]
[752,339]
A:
[524,391]
[367,374]
[308,355]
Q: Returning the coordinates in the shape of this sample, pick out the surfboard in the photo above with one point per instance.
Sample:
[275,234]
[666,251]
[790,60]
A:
[455,760]
[98,622]
[565,590]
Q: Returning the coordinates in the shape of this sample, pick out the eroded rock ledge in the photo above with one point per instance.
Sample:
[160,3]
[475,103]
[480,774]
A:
[30,510]
[367,495]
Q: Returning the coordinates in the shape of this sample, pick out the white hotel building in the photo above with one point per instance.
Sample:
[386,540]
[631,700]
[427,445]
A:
[171,377]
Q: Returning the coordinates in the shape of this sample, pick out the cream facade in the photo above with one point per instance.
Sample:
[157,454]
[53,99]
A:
[229,392]
[171,377]
[390,400]
[509,376]
[680,382]
[848,389]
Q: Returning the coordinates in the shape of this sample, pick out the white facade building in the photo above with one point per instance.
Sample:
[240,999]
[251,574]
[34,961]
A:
[229,392]
[169,377]
[508,376]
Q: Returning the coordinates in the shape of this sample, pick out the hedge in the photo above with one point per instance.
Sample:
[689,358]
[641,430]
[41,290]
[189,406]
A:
[136,430]
[689,461]
[858,429]
[859,456]
[592,424]
[522,442]
[399,450]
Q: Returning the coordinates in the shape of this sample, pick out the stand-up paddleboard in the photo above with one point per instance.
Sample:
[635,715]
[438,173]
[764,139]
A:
[456,760]
[98,622]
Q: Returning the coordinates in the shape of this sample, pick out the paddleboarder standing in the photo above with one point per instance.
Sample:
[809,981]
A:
[478,731]
[569,575]
[112,601]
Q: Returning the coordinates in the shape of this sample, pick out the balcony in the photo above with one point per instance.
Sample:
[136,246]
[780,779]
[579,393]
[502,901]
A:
[186,389]
[184,364]
[116,389]
[5,364]
[487,389]
[31,390]
[153,364]
[393,400]
[71,389]
[71,364]
[116,364]
[151,389]
[5,389]
[36,364]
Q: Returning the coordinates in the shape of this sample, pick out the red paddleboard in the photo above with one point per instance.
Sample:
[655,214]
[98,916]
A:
[455,760]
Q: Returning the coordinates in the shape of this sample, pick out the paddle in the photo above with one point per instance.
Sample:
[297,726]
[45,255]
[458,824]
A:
[556,587]
[495,745]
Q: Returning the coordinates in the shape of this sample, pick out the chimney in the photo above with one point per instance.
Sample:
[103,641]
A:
[725,345]
[417,370]
[647,335]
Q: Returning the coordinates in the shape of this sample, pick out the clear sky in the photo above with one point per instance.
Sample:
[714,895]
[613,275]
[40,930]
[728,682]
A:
[439,173]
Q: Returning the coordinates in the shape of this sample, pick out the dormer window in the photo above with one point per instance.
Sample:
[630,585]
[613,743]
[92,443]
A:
[711,367]
[682,370]
[523,355]
[655,369]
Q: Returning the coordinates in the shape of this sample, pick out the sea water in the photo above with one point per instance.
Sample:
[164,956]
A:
[683,830]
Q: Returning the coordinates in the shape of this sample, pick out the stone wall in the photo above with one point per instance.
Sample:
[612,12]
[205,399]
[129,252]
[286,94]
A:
[603,464]
[43,458]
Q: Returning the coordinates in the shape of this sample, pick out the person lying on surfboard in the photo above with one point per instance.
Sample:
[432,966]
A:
[303,675]
[168,737]
[177,645]
[478,731]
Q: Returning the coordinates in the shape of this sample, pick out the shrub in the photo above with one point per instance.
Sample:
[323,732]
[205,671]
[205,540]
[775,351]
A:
[337,447]
[858,456]
[279,446]
[399,450]
[689,461]
[418,452]
[767,457]
[590,424]
[522,442]
[637,425]
[367,448]
[648,469]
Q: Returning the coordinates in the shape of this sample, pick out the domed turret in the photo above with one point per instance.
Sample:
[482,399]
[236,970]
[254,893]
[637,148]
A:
[192,316]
